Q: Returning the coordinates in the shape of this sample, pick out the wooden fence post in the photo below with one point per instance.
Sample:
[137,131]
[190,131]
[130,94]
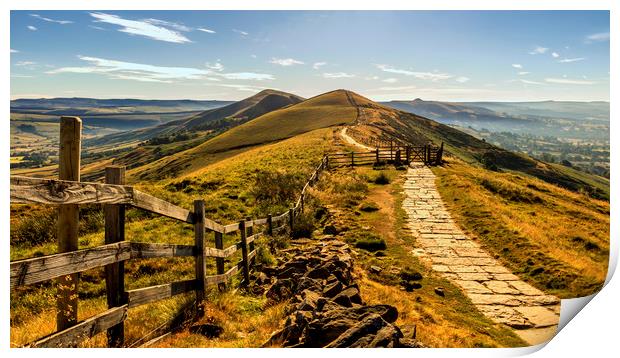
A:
[303,196]
[269,225]
[244,253]
[391,148]
[352,158]
[291,218]
[250,233]
[398,156]
[115,273]
[428,153]
[199,242]
[219,262]
[440,154]
[408,149]
[377,155]
[68,220]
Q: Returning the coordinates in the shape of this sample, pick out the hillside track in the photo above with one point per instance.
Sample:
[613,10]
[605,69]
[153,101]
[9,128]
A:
[495,291]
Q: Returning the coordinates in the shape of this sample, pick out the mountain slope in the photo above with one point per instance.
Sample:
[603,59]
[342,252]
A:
[326,110]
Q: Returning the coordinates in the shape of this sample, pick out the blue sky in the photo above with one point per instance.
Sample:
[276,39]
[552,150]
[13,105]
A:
[434,55]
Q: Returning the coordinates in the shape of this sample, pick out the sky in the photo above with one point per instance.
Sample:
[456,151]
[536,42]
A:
[383,55]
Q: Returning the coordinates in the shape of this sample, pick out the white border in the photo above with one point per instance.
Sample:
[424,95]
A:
[592,333]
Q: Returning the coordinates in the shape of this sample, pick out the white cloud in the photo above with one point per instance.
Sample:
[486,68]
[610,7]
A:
[15,75]
[318,65]
[390,80]
[528,82]
[462,79]
[25,63]
[517,65]
[151,28]
[538,50]
[523,73]
[62,22]
[569,60]
[215,66]
[555,54]
[31,28]
[247,76]
[433,76]
[569,81]
[14,51]
[245,88]
[149,73]
[598,37]
[204,29]
[253,56]
[337,75]
[285,61]
[242,33]
[97,28]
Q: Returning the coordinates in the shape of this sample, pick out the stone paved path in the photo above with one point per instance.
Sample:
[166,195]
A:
[493,289]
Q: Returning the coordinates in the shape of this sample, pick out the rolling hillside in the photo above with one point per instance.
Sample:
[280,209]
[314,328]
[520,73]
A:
[326,110]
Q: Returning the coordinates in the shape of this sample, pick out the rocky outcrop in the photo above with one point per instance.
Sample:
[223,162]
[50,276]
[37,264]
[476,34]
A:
[325,306]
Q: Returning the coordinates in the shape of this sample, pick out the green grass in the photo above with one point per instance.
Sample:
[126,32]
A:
[553,238]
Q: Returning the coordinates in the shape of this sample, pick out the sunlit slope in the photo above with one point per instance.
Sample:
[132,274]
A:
[326,110]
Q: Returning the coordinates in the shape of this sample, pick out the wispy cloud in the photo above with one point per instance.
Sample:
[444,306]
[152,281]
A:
[555,54]
[569,60]
[528,82]
[25,63]
[31,28]
[285,61]
[215,66]
[242,33]
[598,37]
[433,76]
[538,50]
[462,79]
[568,81]
[204,29]
[390,80]
[149,73]
[318,65]
[517,65]
[523,73]
[397,88]
[97,28]
[14,51]
[62,22]
[338,75]
[151,28]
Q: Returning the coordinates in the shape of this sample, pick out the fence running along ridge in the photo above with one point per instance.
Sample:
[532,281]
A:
[68,192]
[393,153]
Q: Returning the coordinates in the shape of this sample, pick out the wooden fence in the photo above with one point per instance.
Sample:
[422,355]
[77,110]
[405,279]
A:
[68,192]
[394,153]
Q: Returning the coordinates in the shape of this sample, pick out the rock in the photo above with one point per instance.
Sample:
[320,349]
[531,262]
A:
[307,283]
[281,290]
[348,296]
[410,285]
[207,330]
[409,343]
[309,302]
[330,230]
[407,275]
[368,326]
[319,272]
[332,289]
[375,269]
[439,291]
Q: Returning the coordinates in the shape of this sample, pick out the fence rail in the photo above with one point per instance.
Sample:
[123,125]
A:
[395,153]
[116,196]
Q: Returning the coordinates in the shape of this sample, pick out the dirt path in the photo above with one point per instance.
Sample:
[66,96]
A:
[348,139]
[494,290]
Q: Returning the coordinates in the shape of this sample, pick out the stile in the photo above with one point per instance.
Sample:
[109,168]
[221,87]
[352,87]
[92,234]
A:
[115,272]
[68,220]
[199,242]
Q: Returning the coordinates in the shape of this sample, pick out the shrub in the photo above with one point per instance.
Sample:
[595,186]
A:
[303,226]
[371,244]
[275,188]
[382,179]
[409,274]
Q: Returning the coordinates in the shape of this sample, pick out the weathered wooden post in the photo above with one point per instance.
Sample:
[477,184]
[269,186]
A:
[115,273]
[327,161]
[377,155]
[199,242]
[219,262]
[425,158]
[250,232]
[352,158]
[291,218]
[244,253]
[408,149]
[269,225]
[391,149]
[68,220]
[303,199]
[428,154]
[398,156]
[440,154]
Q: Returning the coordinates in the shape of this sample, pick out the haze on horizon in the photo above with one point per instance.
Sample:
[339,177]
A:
[384,55]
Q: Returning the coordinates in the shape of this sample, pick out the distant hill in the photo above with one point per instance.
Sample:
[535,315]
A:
[326,110]
[82,105]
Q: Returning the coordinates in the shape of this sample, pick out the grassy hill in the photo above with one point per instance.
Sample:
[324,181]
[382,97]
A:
[326,110]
